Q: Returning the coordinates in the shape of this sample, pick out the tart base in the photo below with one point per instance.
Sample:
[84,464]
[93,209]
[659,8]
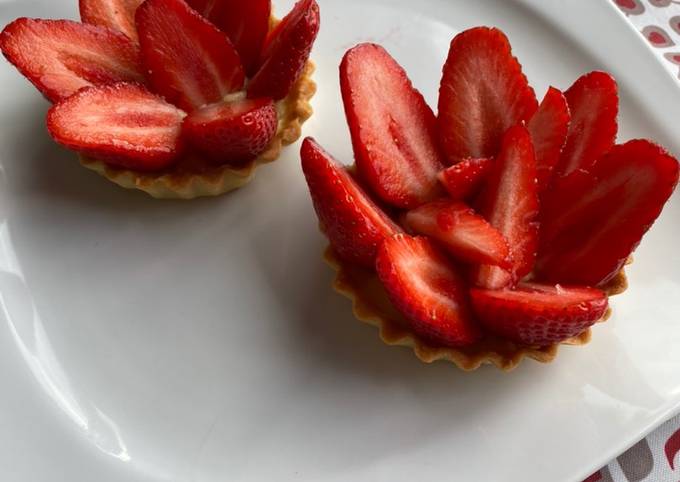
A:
[193,177]
[371,305]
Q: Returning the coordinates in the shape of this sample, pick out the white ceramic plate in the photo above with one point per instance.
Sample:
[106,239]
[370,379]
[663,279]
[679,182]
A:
[146,341]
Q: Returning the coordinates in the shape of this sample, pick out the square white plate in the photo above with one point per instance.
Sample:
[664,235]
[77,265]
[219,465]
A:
[145,341]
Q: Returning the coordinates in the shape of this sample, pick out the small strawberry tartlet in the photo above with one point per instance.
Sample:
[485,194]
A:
[498,228]
[177,98]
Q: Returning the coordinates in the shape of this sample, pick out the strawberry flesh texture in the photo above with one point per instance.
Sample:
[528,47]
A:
[393,130]
[286,51]
[122,124]
[594,104]
[232,132]
[548,128]
[187,59]
[464,179]
[593,220]
[355,226]
[245,22]
[60,56]
[534,314]
[465,235]
[115,14]
[425,287]
[509,202]
[483,93]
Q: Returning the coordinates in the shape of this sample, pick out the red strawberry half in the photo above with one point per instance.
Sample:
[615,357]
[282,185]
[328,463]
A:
[535,314]
[188,60]
[122,124]
[548,128]
[233,132]
[464,179]
[286,51]
[393,129]
[355,226]
[245,22]
[592,220]
[594,104]
[426,288]
[510,203]
[466,235]
[483,93]
[115,14]
[60,56]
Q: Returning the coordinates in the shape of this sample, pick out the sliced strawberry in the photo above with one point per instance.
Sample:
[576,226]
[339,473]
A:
[355,226]
[60,56]
[593,220]
[204,7]
[548,128]
[189,61]
[426,288]
[510,202]
[483,93]
[233,132]
[535,314]
[115,14]
[464,179]
[393,129]
[122,124]
[465,234]
[286,52]
[245,22]
[594,104]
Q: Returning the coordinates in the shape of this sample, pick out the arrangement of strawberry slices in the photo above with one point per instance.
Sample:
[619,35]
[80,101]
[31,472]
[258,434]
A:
[498,216]
[139,84]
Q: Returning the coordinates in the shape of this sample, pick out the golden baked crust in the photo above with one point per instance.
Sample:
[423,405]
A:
[371,305]
[193,177]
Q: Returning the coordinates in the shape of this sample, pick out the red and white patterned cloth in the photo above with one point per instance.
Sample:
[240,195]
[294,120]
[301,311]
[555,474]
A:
[657,457]
[659,23]
[654,459]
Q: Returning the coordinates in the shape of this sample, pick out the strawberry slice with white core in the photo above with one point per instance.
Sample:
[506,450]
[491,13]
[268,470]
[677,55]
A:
[245,22]
[187,59]
[60,56]
[286,51]
[233,132]
[466,235]
[548,128]
[483,93]
[594,104]
[534,314]
[592,220]
[464,179]
[509,202]
[122,124]
[393,129]
[425,287]
[115,14]
[355,226]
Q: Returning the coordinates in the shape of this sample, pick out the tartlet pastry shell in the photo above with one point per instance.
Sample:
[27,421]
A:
[371,305]
[192,177]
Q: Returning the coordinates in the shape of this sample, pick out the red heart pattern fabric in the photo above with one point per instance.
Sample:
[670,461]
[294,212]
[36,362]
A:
[659,23]
[653,459]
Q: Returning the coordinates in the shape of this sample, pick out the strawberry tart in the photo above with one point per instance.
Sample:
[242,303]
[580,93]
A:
[496,229]
[178,98]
